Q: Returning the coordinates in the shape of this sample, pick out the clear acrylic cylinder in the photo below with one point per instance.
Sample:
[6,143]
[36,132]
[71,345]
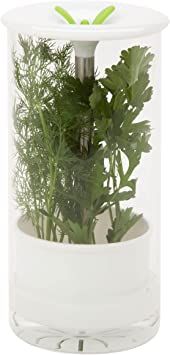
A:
[84,178]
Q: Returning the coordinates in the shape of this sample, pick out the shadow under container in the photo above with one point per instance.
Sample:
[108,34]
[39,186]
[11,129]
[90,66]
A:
[84,153]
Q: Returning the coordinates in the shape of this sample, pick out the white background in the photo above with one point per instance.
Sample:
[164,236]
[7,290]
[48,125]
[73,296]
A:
[9,343]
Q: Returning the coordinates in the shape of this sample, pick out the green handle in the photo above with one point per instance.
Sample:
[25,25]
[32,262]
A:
[85,22]
[65,14]
[103,15]
[99,19]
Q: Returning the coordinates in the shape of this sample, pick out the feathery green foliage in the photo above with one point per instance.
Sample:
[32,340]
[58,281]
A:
[72,138]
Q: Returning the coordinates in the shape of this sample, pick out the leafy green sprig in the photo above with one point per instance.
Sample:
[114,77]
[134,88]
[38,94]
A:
[128,85]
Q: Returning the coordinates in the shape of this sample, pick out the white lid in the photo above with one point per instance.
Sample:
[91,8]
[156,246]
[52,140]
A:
[128,21]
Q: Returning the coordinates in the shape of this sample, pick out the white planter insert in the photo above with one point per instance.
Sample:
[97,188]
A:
[95,291]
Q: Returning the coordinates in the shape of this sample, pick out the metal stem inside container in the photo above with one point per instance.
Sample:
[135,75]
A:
[84,68]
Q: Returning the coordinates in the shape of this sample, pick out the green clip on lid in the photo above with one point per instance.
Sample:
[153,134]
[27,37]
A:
[98,20]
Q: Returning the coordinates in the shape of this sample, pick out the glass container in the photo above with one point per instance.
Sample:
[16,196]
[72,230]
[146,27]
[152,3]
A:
[84,176]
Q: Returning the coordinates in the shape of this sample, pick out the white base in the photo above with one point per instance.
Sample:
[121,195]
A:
[81,286]
[85,289]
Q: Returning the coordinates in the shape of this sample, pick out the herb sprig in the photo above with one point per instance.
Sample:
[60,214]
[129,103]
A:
[61,187]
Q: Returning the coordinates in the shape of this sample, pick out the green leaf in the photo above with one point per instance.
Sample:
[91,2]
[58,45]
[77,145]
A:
[138,127]
[137,60]
[119,101]
[44,212]
[96,96]
[113,81]
[64,226]
[123,196]
[98,101]
[140,93]
[122,225]
[78,234]
[132,184]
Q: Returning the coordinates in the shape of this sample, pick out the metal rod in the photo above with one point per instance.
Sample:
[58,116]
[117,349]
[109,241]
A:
[80,345]
[84,67]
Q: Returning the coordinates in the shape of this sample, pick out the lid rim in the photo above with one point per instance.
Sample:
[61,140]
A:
[60,33]
[121,27]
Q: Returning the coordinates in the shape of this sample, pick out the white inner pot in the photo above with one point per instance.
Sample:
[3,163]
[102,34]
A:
[84,287]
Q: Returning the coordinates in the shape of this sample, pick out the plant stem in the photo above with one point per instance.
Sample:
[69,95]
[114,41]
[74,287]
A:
[117,204]
[53,162]
[93,238]
[61,238]
[108,185]
[38,231]
[42,226]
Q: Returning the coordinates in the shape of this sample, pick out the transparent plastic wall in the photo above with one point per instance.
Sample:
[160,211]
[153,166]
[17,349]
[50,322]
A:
[103,294]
